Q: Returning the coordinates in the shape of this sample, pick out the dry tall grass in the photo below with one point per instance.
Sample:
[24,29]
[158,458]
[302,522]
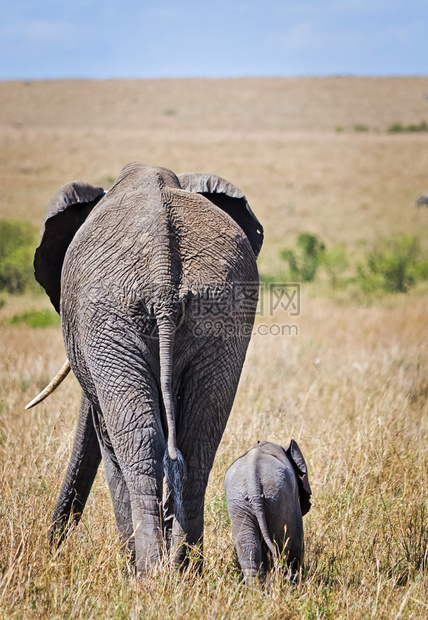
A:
[351,386]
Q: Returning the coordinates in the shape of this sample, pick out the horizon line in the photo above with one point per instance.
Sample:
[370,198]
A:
[219,77]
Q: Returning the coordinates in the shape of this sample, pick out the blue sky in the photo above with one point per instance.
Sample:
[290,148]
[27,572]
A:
[220,38]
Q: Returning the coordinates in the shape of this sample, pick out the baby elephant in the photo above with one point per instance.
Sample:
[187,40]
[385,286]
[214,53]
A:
[267,492]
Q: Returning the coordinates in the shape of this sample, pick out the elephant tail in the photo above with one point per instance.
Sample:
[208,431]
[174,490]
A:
[261,520]
[174,465]
[256,498]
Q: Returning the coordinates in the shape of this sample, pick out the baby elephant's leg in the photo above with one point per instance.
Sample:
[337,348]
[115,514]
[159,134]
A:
[248,542]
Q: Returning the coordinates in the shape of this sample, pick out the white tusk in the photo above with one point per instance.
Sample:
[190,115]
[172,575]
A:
[59,378]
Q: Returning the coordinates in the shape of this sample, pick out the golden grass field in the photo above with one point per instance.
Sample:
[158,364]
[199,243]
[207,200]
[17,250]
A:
[351,386]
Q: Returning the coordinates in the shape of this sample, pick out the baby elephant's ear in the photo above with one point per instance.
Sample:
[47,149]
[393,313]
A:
[296,457]
[228,198]
[66,212]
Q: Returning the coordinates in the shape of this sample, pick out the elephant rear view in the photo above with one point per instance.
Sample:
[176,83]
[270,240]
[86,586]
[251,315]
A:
[157,285]
[268,492]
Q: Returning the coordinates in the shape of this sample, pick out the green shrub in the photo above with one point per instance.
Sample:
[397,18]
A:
[17,243]
[393,265]
[361,128]
[400,128]
[36,318]
[304,263]
[335,263]
[311,256]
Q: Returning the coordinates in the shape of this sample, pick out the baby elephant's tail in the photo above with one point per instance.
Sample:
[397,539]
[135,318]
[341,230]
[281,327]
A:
[261,520]
[256,500]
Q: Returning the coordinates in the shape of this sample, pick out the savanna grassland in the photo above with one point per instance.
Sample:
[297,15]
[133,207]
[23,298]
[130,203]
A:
[347,378]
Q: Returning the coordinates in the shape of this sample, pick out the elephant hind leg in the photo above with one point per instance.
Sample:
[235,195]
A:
[118,490]
[251,556]
[134,441]
[82,468]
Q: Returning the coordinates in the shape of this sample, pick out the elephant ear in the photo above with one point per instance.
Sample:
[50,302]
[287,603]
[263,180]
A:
[299,464]
[66,212]
[230,199]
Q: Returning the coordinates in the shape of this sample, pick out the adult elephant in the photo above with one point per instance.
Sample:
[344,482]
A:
[156,284]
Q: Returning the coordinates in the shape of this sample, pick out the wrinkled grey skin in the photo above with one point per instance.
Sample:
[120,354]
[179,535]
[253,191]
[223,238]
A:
[267,492]
[156,335]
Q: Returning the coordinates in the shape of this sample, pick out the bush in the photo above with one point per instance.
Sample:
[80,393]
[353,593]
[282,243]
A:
[17,243]
[304,264]
[400,128]
[361,128]
[393,265]
[36,318]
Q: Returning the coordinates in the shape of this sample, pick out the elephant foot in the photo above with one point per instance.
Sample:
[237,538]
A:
[60,528]
[187,557]
[253,578]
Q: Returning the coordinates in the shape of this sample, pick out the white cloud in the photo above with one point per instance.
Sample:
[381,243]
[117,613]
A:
[45,33]
[300,36]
